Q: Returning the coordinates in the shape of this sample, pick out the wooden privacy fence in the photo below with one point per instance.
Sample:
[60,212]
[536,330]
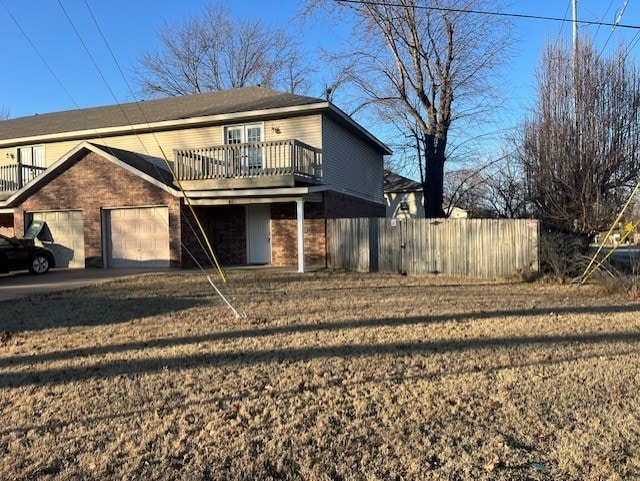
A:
[453,247]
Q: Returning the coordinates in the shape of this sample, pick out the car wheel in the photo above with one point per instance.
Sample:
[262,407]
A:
[39,264]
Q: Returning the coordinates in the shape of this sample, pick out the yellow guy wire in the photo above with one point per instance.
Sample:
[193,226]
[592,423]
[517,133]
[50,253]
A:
[610,253]
[585,276]
[223,276]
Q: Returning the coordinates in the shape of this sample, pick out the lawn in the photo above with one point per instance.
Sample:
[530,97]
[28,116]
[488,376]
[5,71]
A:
[332,376]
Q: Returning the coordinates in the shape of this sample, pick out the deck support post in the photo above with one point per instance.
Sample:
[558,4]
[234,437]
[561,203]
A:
[300,219]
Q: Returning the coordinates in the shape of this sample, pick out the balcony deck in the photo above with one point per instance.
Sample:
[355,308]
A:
[14,177]
[285,163]
[251,165]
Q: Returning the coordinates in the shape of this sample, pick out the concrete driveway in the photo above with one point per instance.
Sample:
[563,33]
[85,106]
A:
[21,284]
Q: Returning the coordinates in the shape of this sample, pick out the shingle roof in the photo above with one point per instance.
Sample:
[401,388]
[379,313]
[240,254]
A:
[149,111]
[140,166]
[139,163]
[396,183]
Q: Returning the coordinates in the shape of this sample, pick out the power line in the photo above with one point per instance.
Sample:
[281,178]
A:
[40,56]
[604,15]
[211,258]
[496,14]
[210,253]
[619,17]
[566,14]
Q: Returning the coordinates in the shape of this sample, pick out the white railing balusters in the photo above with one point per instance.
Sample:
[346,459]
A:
[257,159]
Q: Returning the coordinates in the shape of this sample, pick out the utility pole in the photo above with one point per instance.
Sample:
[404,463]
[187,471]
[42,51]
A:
[576,83]
[574,4]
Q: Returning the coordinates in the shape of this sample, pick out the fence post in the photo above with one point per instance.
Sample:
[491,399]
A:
[373,244]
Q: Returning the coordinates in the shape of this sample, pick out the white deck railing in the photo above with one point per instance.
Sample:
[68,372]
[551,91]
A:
[257,159]
[14,177]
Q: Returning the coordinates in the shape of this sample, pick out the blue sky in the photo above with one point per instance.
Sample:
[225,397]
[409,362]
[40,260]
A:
[28,87]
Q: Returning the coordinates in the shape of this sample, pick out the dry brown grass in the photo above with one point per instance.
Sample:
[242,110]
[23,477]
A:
[333,376]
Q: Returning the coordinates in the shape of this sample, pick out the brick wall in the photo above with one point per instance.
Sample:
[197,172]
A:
[284,242]
[339,206]
[284,235]
[91,183]
[225,228]
[284,226]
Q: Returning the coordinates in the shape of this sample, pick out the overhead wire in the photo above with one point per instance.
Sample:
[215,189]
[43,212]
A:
[40,56]
[486,12]
[70,96]
[209,251]
[621,10]
[210,254]
[603,16]
[566,14]
[564,20]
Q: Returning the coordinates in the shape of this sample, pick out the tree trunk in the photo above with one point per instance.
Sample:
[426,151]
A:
[432,183]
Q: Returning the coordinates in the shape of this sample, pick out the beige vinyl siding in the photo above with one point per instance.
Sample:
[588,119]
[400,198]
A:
[307,129]
[8,156]
[351,164]
[145,144]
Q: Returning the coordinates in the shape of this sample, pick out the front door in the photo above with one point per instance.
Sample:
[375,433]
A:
[259,234]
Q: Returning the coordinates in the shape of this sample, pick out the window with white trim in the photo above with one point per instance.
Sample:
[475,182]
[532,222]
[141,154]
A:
[32,155]
[246,159]
[29,157]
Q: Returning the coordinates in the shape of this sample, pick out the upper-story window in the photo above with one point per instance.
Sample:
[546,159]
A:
[31,156]
[247,158]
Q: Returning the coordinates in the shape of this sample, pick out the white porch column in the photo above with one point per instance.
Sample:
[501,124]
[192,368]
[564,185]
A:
[300,218]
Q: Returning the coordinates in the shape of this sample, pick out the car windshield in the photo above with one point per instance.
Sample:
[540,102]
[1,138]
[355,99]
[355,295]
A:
[4,242]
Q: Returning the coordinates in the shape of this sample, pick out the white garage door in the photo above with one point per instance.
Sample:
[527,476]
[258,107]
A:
[65,236]
[138,237]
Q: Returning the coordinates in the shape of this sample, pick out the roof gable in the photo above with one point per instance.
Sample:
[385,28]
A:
[130,161]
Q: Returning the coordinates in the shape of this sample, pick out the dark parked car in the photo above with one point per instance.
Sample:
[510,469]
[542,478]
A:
[21,254]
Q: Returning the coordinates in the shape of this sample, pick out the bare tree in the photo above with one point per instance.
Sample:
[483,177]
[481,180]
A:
[493,189]
[4,113]
[580,164]
[464,188]
[216,52]
[504,195]
[425,65]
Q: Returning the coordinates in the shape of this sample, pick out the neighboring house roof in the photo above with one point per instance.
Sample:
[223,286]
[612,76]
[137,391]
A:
[397,183]
[128,160]
[171,113]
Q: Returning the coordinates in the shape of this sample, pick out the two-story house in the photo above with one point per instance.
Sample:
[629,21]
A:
[261,169]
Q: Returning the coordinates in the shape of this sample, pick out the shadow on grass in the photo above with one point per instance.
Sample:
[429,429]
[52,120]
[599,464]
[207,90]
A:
[140,366]
[50,312]
[227,400]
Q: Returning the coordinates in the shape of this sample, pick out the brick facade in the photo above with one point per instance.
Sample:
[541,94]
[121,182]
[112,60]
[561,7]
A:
[340,206]
[284,234]
[226,230]
[91,183]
